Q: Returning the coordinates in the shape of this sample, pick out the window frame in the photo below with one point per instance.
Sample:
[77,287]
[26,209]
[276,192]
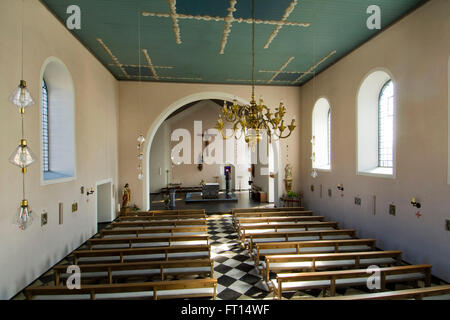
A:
[45,132]
[383,88]
[327,119]
[366,99]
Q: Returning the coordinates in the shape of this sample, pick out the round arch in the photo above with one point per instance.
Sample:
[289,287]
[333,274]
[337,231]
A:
[160,119]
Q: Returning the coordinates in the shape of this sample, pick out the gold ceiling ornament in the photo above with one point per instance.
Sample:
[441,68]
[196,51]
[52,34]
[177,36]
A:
[253,119]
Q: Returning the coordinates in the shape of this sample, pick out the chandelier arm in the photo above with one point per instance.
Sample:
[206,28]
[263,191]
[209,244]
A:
[281,137]
[225,136]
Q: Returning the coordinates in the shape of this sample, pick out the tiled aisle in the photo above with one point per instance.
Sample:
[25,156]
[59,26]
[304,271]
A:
[233,268]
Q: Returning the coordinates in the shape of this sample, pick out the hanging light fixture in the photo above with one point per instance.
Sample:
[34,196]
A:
[251,120]
[22,155]
[140,138]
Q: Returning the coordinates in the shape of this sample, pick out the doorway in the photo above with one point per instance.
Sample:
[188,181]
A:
[105,204]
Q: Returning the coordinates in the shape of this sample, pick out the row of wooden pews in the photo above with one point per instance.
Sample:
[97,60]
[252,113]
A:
[305,252]
[162,254]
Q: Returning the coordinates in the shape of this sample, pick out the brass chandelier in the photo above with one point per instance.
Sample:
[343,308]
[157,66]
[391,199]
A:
[251,120]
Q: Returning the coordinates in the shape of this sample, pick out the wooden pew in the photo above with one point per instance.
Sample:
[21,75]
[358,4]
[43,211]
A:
[294,235]
[243,210]
[245,231]
[144,254]
[277,219]
[348,278]
[159,223]
[329,261]
[130,241]
[112,271]
[154,290]
[441,292]
[167,212]
[293,213]
[198,216]
[138,231]
[320,246]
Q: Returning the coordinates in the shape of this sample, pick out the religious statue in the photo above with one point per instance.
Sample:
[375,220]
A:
[126,197]
[288,177]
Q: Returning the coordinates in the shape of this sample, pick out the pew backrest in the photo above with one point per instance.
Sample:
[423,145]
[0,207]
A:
[156,290]
[292,235]
[140,231]
[314,262]
[129,241]
[323,246]
[308,280]
[187,267]
[120,254]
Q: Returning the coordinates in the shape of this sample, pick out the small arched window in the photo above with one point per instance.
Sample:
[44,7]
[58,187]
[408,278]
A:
[321,132]
[45,157]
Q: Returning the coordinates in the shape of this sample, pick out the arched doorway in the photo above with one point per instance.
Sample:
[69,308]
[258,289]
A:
[163,116]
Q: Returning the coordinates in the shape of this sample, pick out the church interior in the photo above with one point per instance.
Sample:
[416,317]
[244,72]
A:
[225,150]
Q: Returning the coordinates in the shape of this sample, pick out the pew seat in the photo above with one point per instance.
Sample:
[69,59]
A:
[143,290]
[328,261]
[122,255]
[158,223]
[348,278]
[200,216]
[440,292]
[263,249]
[298,236]
[153,230]
[113,271]
[246,231]
[129,242]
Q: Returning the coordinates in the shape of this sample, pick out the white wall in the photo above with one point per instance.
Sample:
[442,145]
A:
[160,158]
[415,51]
[25,255]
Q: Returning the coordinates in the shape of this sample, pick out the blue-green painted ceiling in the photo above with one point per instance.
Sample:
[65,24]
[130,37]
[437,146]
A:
[186,40]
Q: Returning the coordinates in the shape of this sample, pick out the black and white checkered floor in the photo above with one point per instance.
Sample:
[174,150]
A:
[234,270]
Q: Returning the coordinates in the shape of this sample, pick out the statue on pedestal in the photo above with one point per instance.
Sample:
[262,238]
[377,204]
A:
[126,197]
[288,177]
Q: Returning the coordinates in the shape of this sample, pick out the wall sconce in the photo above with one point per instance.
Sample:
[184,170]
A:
[415,203]
[340,187]
[91,191]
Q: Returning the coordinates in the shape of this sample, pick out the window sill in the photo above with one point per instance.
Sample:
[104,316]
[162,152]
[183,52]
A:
[51,177]
[323,169]
[378,172]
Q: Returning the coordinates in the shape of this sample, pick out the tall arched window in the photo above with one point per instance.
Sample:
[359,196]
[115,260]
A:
[321,132]
[376,125]
[57,123]
[45,130]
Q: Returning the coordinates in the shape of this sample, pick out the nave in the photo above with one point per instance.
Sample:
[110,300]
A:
[240,256]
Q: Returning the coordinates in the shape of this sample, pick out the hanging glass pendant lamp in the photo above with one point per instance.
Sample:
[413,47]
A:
[21,97]
[22,155]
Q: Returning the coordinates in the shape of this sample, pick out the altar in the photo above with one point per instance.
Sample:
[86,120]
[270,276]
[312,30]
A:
[210,191]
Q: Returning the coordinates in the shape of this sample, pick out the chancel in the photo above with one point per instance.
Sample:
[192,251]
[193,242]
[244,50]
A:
[225,150]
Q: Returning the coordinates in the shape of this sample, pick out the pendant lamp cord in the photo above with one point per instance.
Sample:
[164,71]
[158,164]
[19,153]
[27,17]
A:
[253,49]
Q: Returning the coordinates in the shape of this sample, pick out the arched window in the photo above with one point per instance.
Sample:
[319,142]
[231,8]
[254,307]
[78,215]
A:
[376,125]
[321,132]
[45,130]
[57,123]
